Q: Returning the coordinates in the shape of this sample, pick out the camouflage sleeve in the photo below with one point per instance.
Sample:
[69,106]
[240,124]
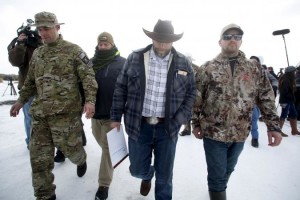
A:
[87,76]
[29,88]
[16,55]
[200,79]
[266,102]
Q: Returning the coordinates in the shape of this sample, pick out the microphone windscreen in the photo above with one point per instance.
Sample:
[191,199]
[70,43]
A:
[281,32]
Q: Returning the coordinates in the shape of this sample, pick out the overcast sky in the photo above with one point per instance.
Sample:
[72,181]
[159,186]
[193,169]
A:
[200,21]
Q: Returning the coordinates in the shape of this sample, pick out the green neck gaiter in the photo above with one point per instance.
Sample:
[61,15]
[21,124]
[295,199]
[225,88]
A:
[103,57]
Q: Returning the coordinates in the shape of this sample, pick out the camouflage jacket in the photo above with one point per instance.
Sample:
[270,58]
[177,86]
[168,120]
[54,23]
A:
[224,103]
[19,56]
[55,72]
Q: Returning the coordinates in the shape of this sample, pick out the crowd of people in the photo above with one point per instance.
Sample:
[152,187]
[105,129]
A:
[155,90]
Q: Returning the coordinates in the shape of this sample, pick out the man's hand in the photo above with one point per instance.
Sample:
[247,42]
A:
[14,110]
[116,125]
[89,109]
[22,37]
[197,133]
[274,138]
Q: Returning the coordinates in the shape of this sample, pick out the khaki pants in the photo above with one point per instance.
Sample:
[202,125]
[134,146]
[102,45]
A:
[100,129]
[61,131]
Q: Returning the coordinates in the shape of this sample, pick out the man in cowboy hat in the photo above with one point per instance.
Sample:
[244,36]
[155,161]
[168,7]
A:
[155,91]
[55,69]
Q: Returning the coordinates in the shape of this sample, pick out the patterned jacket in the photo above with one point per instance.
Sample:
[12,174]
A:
[130,92]
[55,72]
[224,102]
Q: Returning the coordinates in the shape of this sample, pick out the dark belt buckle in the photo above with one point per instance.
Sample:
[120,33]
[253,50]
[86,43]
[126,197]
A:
[152,120]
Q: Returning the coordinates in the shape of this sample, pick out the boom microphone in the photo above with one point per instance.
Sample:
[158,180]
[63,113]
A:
[281,32]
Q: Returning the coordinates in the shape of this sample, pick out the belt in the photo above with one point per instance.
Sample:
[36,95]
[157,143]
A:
[153,120]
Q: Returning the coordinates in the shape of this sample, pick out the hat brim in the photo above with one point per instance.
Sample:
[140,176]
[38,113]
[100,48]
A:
[164,38]
[234,28]
[50,25]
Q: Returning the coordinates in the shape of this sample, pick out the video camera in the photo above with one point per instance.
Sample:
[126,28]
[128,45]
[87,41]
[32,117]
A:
[33,37]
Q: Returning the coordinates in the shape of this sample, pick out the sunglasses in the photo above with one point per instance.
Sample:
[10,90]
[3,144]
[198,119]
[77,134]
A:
[229,37]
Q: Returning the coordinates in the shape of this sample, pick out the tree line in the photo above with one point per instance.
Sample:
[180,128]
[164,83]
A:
[7,77]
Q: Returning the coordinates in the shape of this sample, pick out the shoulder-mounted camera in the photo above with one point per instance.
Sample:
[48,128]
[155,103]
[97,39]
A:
[33,38]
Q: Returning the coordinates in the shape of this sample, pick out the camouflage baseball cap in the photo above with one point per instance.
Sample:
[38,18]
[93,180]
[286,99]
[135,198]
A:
[46,19]
[231,26]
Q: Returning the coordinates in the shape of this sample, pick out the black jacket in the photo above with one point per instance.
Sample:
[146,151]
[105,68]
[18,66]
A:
[106,79]
[286,92]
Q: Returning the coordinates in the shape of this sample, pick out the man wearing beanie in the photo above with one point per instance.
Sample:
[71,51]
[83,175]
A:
[228,87]
[55,70]
[155,91]
[107,63]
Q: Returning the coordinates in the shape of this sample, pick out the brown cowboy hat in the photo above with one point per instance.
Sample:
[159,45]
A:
[163,32]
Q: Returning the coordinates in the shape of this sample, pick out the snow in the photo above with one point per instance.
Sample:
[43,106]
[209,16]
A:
[264,173]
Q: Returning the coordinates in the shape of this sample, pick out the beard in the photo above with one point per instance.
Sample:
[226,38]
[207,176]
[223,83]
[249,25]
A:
[230,49]
[161,53]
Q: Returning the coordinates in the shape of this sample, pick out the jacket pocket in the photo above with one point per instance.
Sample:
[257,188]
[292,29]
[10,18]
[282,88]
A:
[180,81]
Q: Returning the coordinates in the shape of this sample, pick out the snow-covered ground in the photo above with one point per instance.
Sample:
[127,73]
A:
[264,173]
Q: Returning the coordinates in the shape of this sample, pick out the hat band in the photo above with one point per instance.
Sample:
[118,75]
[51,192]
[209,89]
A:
[45,21]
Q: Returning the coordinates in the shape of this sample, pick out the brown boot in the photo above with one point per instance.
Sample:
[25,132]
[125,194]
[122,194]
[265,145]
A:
[145,187]
[281,122]
[293,123]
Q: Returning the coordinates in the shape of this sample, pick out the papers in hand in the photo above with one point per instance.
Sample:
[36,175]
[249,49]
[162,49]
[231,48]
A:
[117,146]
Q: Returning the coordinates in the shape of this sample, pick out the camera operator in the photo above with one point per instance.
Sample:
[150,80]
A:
[19,54]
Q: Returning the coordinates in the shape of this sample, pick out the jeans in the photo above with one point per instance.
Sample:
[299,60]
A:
[221,158]
[290,110]
[254,126]
[27,119]
[154,138]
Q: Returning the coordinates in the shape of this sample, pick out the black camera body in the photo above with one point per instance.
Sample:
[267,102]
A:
[32,36]
[10,81]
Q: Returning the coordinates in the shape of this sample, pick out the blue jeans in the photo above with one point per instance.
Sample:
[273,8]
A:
[221,158]
[27,119]
[154,139]
[254,126]
[290,110]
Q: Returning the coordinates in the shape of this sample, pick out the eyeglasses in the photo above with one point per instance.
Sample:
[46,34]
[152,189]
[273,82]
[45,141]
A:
[229,37]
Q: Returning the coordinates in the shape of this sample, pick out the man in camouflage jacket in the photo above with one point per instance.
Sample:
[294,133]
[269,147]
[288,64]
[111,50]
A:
[56,68]
[227,89]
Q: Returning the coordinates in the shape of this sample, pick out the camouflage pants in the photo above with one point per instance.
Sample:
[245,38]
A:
[61,131]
